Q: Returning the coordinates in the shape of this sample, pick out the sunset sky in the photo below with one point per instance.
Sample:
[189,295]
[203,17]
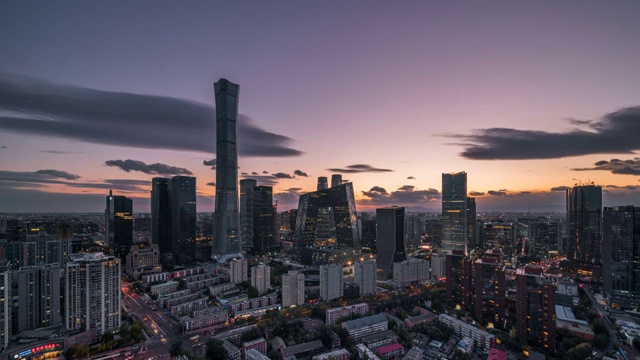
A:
[525,97]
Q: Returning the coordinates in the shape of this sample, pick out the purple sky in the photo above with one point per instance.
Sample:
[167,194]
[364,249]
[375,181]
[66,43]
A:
[419,88]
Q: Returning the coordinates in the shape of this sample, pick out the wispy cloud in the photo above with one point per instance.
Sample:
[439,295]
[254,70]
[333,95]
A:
[152,169]
[359,168]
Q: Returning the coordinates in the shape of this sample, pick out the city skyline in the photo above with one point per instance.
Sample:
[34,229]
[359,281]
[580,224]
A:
[522,108]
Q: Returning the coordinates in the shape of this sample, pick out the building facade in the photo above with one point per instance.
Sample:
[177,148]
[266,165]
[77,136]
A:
[454,211]
[389,240]
[143,258]
[292,288]
[261,278]
[330,282]
[6,300]
[227,237]
[365,276]
[459,279]
[411,272]
[39,294]
[92,294]
[119,224]
[584,227]
[182,191]
[621,256]
[238,270]
[161,214]
[535,310]
[490,289]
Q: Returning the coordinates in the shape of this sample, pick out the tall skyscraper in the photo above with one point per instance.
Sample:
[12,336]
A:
[341,202]
[227,238]
[330,282]
[92,294]
[584,226]
[261,278]
[323,183]
[39,294]
[182,192]
[292,288]
[336,180]
[119,224]
[621,256]
[535,309]
[238,270]
[263,219]
[365,276]
[161,214]
[471,223]
[246,212]
[6,301]
[454,211]
[389,240]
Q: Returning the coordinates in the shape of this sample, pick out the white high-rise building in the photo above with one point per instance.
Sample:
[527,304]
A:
[5,305]
[365,276]
[439,265]
[411,271]
[39,296]
[238,270]
[261,278]
[330,282]
[92,294]
[292,288]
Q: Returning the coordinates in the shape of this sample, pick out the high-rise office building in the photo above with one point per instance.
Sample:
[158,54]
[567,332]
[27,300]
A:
[621,256]
[545,235]
[472,233]
[238,270]
[535,309]
[227,238]
[459,279]
[323,183]
[454,211]
[330,282]
[368,226]
[39,294]
[389,240]
[584,226]
[6,301]
[489,285]
[341,202]
[119,224]
[263,219]
[161,214]
[261,278]
[365,276]
[292,288]
[499,234]
[92,294]
[182,195]
[336,180]
[246,212]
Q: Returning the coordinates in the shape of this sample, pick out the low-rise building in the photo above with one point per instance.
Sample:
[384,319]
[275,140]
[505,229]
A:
[495,354]
[164,288]
[204,318]
[233,353]
[420,319]
[461,328]
[253,354]
[304,350]
[332,315]
[377,340]
[390,351]
[360,328]
[340,354]
[414,354]
[364,351]
[258,344]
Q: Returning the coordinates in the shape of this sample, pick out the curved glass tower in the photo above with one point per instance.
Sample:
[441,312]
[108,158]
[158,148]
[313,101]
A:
[227,237]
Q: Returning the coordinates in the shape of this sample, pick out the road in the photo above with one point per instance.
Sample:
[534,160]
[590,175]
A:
[613,335]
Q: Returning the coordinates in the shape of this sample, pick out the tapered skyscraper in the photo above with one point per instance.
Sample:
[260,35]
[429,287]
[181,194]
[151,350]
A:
[227,237]
[454,211]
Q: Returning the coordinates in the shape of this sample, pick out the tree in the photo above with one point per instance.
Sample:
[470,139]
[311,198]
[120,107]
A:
[636,343]
[601,341]
[176,349]
[181,284]
[215,350]
[252,292]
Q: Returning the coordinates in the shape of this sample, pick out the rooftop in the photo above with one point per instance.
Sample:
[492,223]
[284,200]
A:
[304,347]
[365,321]
[389,348]
[495,354]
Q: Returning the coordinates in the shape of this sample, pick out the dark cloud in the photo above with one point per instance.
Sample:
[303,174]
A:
[58,174]
[265,172]
[282,176]
[211,183]
[560,188]
[497,193]
[614,133]
[263,180]
[3,147]
[625,187]
[525,192]
[288,197]
[406,195]
[244,173]
[616,166]
[152,169]
[60,152]
[476,193]
[38,107]
[358,168]
[254,173]
[411,178]
[211,163]
[300,173]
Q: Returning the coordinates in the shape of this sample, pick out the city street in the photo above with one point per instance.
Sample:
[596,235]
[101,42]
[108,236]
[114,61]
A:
[613,335]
